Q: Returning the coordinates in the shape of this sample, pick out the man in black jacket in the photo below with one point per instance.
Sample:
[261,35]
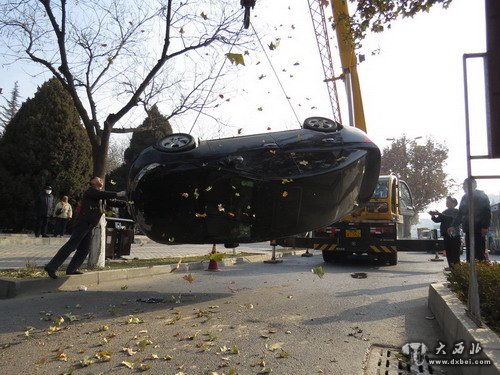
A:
[451,242]
[43,211]
[482,218]
[87,218]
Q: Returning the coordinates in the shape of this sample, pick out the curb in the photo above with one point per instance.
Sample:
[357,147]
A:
[10,288]
[457,326]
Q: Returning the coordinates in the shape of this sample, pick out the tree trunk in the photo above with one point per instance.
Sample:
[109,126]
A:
[99,155]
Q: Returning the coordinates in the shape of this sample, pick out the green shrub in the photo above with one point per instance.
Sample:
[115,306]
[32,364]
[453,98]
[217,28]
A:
[488,279]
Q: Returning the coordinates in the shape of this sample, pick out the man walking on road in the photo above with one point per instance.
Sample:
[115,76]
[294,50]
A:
[92,208]
[482,218]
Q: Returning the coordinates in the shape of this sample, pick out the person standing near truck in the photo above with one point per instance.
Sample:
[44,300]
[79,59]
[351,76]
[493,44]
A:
[482,218]
[451,241]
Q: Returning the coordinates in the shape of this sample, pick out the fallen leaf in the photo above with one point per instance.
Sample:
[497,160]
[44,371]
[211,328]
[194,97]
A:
[282,354]
[204,16]
[185,195]
[103,356]
[319,271]
[27,332]
[189,278]
[129,351]
[274,346]
[303,162]
[134,320]
[260,110]
[144,367]
[203,215]
[61,356]
[128,364]
[143,343]
[87,361]
[285,194]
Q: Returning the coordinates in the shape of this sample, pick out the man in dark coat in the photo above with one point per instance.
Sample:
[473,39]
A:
[451,242]
[92,208]
[43,211]
[482,218]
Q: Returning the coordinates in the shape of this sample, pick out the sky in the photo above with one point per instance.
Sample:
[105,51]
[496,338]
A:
[411,82]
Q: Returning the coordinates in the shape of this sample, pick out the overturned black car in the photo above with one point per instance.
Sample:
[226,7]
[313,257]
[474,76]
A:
[251,188]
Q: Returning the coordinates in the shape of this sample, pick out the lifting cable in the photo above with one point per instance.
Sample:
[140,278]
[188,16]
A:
[222,67]
[276,75]
[215,80]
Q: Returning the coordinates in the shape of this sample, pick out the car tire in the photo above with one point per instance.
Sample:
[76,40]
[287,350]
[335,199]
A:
[321,124]
[176,143]
[332,256]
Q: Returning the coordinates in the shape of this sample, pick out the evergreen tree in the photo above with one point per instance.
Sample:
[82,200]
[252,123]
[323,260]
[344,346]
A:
[154,127]
[421,166]
[9,110]
[44,143]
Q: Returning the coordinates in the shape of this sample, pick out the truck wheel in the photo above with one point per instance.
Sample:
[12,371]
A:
[392,259]
[332,256]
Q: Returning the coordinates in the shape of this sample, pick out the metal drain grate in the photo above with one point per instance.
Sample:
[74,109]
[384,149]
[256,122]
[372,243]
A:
[391,361]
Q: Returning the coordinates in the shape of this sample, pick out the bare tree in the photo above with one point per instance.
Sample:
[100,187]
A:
[112,56]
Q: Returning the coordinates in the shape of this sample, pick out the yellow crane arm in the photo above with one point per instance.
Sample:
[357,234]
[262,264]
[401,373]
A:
[348,59]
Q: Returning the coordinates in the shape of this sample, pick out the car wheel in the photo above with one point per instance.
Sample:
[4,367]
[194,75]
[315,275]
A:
[321,124]
[176,143]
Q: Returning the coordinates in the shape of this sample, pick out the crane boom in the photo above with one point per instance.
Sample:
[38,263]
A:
[348,58]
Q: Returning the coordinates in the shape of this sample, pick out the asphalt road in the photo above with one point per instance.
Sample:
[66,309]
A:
[246,319]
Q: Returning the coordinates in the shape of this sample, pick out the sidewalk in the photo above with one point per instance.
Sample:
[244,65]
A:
[18,250]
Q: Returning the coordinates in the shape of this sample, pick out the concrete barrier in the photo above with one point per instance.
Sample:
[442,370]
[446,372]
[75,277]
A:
[456,326]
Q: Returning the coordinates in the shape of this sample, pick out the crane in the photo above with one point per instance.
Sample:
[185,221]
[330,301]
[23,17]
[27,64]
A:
[348,58]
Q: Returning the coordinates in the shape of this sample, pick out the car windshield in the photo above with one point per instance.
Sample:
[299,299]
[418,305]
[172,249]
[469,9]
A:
[381,190]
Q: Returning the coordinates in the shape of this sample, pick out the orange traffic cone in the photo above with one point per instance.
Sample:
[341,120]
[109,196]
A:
[212,265]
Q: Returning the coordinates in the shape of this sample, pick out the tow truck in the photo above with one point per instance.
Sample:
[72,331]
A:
[377,230]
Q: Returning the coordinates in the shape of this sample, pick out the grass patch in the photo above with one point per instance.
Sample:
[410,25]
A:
[488,279]
[33,271]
